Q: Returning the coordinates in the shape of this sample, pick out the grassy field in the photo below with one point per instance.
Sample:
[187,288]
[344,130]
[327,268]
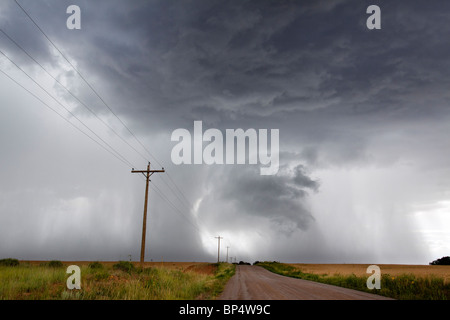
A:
[195,281]
[114,281]
[397,281]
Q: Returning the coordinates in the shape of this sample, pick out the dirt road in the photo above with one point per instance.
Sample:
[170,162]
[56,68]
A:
[256,283]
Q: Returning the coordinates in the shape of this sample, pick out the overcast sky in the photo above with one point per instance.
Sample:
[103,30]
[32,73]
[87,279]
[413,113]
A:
[363,117]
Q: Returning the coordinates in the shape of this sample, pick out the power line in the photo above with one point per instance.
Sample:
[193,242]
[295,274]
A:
[189,205]
[100,97]
[70,112]
[113,152]
[92,112]
[182,194]
[55,111]
[70,92]
[154,187]
[85,80]
[183,199]
[161,194]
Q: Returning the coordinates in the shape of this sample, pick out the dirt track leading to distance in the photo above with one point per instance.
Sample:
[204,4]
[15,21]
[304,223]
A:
[256,283]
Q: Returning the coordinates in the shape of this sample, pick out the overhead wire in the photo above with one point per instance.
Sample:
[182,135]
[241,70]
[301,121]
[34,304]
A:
[183,200]
[69,91]
[85,80]
[97,94]
[152,186]
[161,194]
[65,108]
[60,115]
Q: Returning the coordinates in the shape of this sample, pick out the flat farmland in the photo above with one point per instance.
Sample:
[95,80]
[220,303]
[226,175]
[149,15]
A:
[359,270]
[406,282]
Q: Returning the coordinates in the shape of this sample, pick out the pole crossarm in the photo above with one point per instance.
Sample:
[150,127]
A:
[147,171]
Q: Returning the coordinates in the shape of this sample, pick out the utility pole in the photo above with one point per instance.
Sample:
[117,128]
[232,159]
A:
[147,173]
[227,253]
[218,248]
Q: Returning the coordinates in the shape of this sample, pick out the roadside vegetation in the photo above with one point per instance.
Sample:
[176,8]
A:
[403,287]
[121,281]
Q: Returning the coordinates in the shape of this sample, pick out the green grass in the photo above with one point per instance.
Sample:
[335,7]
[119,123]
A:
[224,271]
[26,282]
[121,282]
[403,287]
[124,266]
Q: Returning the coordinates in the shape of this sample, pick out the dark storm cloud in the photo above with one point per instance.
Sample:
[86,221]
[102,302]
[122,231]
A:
[257,59]
[279,198]
[302,180]
[337,91]
[266,64]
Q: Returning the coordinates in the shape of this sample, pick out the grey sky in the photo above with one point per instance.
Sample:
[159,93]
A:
[363,118]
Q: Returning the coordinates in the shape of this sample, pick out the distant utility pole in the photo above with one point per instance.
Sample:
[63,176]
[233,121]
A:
[218,248]
[147,173]
[227,253]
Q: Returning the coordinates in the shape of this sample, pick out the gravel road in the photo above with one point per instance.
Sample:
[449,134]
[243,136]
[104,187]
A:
[256,283]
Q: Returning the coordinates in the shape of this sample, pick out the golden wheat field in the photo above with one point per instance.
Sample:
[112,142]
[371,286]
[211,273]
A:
[360,269]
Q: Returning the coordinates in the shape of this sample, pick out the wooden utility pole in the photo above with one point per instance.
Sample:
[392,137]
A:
[218,248]
[147,173]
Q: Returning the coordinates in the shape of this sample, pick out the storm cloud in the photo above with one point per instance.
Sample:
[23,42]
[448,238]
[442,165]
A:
[363,118]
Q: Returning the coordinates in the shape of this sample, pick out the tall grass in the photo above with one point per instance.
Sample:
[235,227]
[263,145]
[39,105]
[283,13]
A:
[100,282]
[31,282]
[224,271]
[404,287]
[149,284]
